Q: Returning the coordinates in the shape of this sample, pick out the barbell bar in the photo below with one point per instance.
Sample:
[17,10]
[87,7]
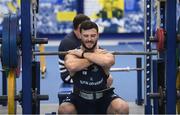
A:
[113,52]
[161,95]
[35,97]
[111,69]
[126,69]
[34,41]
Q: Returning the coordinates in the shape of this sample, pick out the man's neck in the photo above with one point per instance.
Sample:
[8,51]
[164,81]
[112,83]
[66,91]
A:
[97,47]
[76,33]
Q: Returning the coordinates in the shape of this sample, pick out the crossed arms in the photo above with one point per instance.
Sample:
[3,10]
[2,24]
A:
[75,62]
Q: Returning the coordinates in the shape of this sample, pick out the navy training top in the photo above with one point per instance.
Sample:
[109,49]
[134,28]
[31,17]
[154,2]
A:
[92,78]
[69,42]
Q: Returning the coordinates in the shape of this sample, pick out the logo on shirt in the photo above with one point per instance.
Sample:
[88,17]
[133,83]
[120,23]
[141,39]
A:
[91,83]
[95,68]
[84,72]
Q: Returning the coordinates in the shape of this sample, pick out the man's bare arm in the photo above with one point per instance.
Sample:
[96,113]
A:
[74,63]
[102,58]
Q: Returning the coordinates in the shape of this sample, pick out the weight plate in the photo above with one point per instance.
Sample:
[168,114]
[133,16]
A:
[13,41]
[5,41]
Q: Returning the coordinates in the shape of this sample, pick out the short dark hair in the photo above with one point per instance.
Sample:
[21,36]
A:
[79,19]
[86,25]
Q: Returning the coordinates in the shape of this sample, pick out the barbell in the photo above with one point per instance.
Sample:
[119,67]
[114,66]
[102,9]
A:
[126,69]
[113,52]
[161,95]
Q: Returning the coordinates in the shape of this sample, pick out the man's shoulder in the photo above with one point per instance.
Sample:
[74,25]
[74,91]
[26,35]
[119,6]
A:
[69,36]
[67,40]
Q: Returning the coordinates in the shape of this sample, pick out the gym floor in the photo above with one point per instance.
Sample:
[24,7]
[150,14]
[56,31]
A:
[125,83]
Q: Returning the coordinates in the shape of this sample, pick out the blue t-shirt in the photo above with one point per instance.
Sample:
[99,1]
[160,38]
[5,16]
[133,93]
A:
[69,42]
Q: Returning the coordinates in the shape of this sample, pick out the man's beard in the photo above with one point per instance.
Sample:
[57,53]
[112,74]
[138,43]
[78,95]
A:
[89,49]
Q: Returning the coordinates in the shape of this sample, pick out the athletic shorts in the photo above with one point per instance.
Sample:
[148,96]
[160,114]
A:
[98,106]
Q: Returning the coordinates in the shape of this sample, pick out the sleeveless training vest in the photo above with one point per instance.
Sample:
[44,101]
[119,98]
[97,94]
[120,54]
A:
[92,78]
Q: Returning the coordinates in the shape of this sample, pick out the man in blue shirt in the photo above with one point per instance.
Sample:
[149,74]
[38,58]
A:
[70,41]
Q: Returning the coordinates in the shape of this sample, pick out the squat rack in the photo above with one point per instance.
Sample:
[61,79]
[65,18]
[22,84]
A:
[170,56]
[168,22]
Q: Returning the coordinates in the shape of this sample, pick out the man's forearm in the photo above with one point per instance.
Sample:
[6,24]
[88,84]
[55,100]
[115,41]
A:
[106,60]
[77,64]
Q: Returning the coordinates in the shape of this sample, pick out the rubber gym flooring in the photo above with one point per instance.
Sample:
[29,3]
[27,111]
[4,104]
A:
[125,83]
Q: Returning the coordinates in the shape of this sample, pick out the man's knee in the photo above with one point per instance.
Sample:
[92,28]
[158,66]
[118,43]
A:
[66,108]
[118,106]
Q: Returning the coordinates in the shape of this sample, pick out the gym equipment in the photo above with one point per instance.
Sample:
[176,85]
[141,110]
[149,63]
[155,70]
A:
[5,34]
[167,51]
[28,34]
[178,71]
[158,86]
[4,86]
[19,97]
[10,61]
[10,51]
[148,33]
[11,92]
[36,97]
[139,100]
[26,54]
[160,38]
[36,87]
[170,55]
[13,49]
[4,57]
[42,61]
[11,42]
[126,69]
[178,93]
[160,35]
[113,52]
